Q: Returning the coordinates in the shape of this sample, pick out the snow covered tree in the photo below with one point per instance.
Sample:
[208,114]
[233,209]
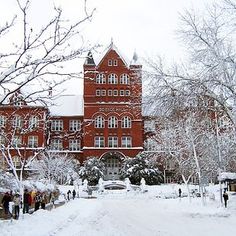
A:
[142,166]
[210,70]
[55,168]
[92,170]
[37,58]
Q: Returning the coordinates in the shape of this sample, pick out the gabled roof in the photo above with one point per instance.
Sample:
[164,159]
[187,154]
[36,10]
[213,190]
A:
[107,50]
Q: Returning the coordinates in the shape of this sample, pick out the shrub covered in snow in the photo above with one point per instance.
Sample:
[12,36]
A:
[7,181]
[92,170]
[140,167]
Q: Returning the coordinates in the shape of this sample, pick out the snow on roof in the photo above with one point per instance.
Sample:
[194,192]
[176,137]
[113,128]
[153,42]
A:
[67,105]
[99,58]
[227,176]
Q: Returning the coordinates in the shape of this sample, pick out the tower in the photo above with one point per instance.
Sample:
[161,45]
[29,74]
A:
[113,127]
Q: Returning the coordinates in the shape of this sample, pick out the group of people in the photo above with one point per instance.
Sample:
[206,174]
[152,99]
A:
[12,203]
[69,194]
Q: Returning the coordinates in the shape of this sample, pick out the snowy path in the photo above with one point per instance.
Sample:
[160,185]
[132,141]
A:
[117,215]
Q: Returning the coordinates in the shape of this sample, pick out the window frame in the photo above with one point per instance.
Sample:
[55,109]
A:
[99,141]
[56,125]
[112,122]
[126,141]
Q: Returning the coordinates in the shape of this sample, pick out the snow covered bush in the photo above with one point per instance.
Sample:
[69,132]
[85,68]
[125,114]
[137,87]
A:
[7,180]
[92,170]
[55,168]
[142,167]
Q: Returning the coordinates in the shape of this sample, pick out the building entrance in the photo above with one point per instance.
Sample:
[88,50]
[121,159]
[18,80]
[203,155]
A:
[113,166]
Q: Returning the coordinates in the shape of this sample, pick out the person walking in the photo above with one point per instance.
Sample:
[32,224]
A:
[73,194]
[17,202]
[26,201]
[37,201]
[68,195]
[180,192]
[226,198]
[52,198]
[43,200]
[5,203]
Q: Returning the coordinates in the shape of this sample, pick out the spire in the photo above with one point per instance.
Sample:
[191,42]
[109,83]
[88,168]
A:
[112,43]
[89,59]
[134,60]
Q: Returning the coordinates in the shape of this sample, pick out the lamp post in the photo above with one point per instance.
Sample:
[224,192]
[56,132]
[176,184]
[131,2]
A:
[219,157]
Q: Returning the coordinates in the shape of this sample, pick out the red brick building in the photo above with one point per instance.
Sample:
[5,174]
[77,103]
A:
[106,122]
[113,127]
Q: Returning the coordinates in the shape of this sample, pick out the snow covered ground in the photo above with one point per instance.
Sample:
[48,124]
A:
[121,213]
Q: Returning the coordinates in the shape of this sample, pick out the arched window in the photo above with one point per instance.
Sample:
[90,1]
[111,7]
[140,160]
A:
[126,122]
[99,122]
[100,79]
[112,122]
[112,79]
[124,79]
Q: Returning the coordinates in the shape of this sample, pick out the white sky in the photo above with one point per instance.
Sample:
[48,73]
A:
[147,26]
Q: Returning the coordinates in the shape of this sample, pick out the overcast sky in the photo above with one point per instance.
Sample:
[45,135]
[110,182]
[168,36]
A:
[147,26]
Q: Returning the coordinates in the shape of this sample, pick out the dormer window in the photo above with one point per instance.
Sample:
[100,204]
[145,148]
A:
[18,100]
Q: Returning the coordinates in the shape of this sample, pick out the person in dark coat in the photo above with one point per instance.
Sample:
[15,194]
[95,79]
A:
[180,192]
[37,200]
[68,195]
[5,203]
[26,201]
[73,194]
[226,198]
[43,200]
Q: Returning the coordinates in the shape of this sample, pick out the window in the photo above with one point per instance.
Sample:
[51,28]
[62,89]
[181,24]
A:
[17,122]
[127,92]
[103,92]
[100,79]
[126,122]
[99,122]
[112,62]
[56,144]
[109,92]
[2,140]
[112,141]
[115,63]
[17,141]
[2,121]
[98,92]
[112,79]
[18,100]
[33,122]
[57,125]
[74,145]
[124,79]
[115,92]
[33,141]
[112,122]
[99,141]
[122,93]
[109,62]
[126,141]
[74,125]
[16,161]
